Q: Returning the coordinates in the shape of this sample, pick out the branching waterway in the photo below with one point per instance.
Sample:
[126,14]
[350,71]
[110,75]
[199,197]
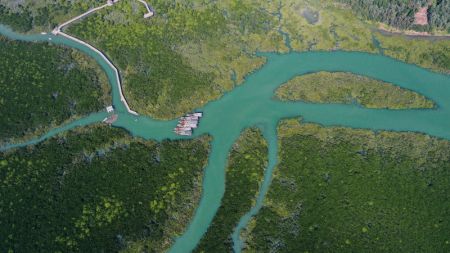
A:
[252,104]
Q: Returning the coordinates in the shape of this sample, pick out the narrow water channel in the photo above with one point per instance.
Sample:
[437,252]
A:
[270,134]
[252,104]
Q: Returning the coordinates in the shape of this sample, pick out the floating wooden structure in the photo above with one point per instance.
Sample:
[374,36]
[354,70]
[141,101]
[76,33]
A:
[111,119]
[188,123]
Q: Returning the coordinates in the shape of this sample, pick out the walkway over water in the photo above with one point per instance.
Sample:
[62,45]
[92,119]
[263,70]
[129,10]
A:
[58,31]
[149,10]
[61,26]
[252,104]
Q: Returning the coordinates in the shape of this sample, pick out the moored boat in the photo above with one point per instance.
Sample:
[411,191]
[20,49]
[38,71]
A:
[187,123]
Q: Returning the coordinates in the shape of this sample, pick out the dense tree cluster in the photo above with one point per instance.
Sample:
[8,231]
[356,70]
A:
[20,21]
[347,190]
[43,84]
[439,15]
[98,190]
[400,13]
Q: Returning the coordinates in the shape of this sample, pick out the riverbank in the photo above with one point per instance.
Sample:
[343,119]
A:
[44,86]
[389,31]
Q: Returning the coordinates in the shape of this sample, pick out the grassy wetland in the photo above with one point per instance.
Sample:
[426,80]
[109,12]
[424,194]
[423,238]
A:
[338,28]
[350,190]
[213,45]
[45,85]
[73,193]
[326,87]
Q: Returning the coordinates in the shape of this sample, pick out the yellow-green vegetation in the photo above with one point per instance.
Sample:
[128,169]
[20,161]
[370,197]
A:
[189,53]
[349,190]
[326,87]
[43,85]
[244,173]
[209,47]
[430,54]
[98,190]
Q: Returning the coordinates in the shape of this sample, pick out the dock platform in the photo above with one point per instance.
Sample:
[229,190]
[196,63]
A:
[187,124]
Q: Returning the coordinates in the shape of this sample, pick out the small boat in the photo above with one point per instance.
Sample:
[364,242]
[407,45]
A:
[183,132]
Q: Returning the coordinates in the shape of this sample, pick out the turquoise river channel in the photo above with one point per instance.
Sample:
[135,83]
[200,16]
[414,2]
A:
[252,104]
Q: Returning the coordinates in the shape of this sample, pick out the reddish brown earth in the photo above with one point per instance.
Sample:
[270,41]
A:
[421,17]
[111,119]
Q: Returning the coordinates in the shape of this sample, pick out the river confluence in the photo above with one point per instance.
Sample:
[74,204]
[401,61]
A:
[252,104]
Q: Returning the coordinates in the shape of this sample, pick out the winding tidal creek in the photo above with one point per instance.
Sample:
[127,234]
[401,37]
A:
[252,104]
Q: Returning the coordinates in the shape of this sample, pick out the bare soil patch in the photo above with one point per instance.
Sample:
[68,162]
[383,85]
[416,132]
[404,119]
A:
[421,17]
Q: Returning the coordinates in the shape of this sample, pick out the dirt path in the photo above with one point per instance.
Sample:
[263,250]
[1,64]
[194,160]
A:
[410,34]
[58,28]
